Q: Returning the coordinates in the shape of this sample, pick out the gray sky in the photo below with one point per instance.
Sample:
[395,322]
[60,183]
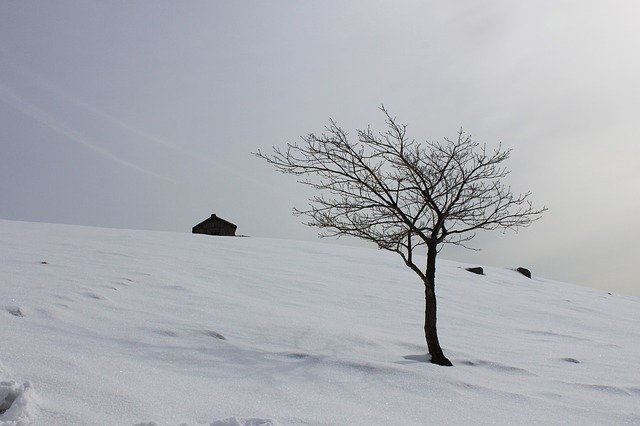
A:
[143,114]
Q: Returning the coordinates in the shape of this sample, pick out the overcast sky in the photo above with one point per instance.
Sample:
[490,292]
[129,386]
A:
[143,114]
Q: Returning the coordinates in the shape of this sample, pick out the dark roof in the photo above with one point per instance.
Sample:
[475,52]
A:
[217,219]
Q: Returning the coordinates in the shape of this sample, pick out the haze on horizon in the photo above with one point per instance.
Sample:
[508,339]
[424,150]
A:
[143,115]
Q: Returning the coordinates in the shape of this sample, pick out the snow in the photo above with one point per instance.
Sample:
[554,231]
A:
[103,326]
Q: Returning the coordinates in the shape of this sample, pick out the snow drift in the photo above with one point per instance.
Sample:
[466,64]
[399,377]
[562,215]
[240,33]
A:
[101,326]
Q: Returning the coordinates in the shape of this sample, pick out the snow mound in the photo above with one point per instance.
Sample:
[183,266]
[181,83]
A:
[16,403]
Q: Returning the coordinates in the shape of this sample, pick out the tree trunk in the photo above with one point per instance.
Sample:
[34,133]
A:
[430,331]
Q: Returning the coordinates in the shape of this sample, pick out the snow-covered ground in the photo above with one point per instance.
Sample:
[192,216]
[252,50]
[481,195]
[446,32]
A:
[102,326]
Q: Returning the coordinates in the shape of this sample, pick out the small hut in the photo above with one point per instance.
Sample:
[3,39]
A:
[215,225]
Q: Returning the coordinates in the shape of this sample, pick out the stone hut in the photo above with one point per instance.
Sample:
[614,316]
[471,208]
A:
[215,226]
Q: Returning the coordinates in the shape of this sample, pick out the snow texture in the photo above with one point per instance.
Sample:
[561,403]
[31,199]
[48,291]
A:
[101,326]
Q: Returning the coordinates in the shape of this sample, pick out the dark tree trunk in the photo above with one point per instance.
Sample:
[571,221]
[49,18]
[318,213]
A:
[430,331]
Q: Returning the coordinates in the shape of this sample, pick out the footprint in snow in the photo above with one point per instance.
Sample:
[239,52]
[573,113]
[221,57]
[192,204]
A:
[608,389]
[214,334]
[174,287]
[297,355]
[497,366]
[168,333]
[15,402]
[231,421]
[246,421]
[92,295]
[16,311]
[127,282]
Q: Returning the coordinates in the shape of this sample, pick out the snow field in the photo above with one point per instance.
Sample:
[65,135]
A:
[101,326]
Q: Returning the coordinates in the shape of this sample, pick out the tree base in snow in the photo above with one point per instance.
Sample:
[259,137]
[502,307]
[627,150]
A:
[441,361]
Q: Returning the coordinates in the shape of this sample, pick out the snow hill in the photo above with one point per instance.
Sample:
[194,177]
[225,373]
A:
[102,326]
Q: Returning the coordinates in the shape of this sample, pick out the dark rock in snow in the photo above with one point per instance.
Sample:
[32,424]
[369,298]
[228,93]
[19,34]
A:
[524,271]
[476,270]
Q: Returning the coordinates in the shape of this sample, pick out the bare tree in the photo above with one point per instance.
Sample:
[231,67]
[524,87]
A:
[401,194]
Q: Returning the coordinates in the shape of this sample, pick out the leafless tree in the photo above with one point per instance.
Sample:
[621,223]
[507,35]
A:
[401,194]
